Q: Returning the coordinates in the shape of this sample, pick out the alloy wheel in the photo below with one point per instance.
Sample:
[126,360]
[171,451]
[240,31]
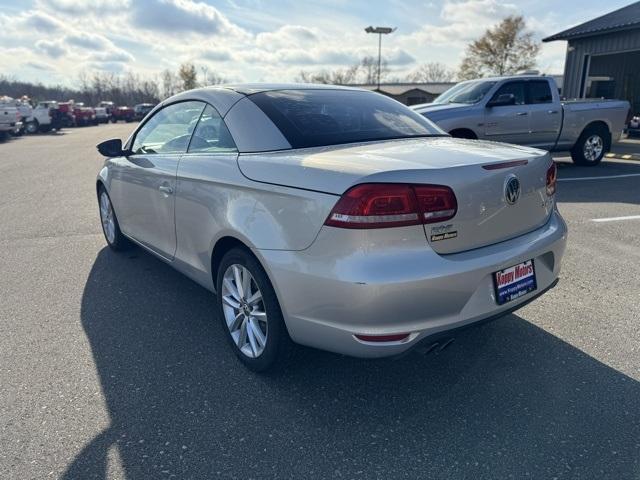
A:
[244,310]
[593,148]
[107,218]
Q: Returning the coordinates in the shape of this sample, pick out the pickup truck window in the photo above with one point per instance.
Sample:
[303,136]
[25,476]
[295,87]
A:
[515,88]
[539,92]
[466,92]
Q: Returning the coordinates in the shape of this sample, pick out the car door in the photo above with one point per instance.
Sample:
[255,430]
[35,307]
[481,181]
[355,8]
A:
[545,114]
[144,182]
[508,123]
[206,177]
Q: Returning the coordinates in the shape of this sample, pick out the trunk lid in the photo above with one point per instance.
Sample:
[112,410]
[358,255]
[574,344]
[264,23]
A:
[477,171]
[487,211]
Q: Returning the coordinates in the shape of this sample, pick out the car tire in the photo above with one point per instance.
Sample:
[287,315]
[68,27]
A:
[3,136]
[110,226]
[242,312]
[591,146]
[31,127]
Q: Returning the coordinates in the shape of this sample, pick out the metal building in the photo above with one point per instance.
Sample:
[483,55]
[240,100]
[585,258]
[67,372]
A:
[603,57]
[410,93]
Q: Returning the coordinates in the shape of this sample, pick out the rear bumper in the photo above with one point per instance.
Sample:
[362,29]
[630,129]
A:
[346,283]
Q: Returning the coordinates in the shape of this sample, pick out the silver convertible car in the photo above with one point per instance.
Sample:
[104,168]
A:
[332,217]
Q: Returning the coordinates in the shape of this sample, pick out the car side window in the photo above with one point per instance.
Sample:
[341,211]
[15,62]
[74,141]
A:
[539,92]
[515,88]
[211,135]
[169,130]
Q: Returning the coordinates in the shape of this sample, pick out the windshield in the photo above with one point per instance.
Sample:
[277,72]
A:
[466,92]
[312,118]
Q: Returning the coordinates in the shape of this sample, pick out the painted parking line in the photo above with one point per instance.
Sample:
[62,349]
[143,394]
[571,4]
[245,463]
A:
[616,219]
[623,156]
[607,177]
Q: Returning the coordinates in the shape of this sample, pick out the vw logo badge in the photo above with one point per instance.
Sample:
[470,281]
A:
[512,190]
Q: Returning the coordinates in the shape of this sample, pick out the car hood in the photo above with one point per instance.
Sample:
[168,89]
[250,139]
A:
[438,107]
[336,168]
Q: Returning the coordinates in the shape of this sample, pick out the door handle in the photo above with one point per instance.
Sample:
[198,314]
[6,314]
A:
[165,189]
[522,114]
[551,112]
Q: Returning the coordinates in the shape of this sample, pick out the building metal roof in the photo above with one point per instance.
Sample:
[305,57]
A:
[401,88]
[622,19]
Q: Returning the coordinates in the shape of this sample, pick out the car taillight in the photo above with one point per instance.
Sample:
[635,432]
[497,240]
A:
[436,203]
[383,205]
[552,179]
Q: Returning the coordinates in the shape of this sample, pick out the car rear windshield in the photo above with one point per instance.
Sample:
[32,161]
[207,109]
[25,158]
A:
[313,118]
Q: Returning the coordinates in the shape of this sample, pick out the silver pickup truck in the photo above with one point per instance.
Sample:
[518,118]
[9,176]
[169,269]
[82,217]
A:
[527,110]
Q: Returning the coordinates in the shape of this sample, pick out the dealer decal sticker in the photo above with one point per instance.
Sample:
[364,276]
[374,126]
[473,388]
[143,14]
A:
[444,236]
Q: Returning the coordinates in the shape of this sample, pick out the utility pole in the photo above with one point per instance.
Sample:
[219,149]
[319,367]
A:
[380,31]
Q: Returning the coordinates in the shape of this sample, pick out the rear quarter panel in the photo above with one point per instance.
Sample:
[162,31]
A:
[214,200]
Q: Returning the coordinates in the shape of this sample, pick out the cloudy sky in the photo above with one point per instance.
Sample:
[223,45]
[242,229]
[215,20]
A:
[254,40]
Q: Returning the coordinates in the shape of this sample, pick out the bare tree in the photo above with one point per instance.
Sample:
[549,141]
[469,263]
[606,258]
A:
[431,72]
[91,88]
[214,79]
[345,76]
[340,76]
[170,83]
[188,76]
[369,67]
[504,49]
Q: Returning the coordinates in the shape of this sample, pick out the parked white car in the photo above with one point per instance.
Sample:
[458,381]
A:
[10,121]
[41,120]
[24,108]
[102,115]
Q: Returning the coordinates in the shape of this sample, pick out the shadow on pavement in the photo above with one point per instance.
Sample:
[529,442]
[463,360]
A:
[507,400]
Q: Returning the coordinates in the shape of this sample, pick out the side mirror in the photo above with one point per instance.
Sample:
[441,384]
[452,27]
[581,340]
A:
[111,148]
[504,99]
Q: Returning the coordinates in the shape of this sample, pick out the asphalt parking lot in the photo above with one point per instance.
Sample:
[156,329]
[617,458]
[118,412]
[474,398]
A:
[114,366]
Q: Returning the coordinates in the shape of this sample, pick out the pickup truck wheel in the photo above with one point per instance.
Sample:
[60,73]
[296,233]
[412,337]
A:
[590,147]
[31,127]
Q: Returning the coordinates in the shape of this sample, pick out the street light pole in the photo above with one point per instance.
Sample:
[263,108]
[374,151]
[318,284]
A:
[380,31]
